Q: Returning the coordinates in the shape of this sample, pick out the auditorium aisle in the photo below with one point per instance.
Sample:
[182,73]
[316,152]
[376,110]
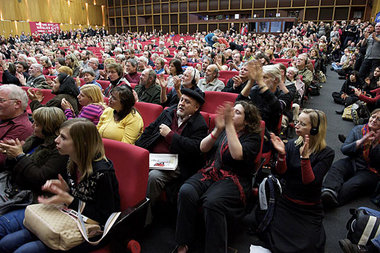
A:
[159,237]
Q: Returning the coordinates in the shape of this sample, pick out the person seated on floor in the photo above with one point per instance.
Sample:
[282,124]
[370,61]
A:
[14,121]
[91,100]
[188,80]
[372,80]
[238,82]
[357,174]
[121,121]
[223,186]
[115,76]
[345,58]
[372,103]
[148,90]
[301,164]
[178,130]
[64,87]
[91,179]
[37,160]
[132,75]
[211,81]
[262,89]
[347,96]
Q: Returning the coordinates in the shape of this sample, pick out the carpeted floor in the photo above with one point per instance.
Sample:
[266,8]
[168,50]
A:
[159,237]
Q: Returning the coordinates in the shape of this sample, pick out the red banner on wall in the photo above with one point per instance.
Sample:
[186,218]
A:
[40,27]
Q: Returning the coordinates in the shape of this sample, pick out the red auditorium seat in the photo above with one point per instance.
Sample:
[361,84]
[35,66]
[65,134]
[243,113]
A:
[104,83]
[215,98]
[133,179]
[206,116]
[259,155]
[45,92]
[149,112]
[227,75]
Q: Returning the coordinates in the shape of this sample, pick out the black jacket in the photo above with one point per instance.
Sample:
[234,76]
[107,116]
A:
[44,163]
[100,192]
[270,105]
[186,145]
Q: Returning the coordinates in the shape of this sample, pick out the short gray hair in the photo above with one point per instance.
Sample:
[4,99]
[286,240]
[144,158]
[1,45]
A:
[272,70]
[143,58]
[133,62]
[16,92]
[38,66]
[95,60]
[89,71]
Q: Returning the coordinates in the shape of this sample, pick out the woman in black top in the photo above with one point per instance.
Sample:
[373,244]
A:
[223,186]
[302,164]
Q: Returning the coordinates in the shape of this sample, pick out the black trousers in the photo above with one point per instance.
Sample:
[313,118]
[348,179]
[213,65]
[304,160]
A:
[367,67]
[349,183]
[220,201]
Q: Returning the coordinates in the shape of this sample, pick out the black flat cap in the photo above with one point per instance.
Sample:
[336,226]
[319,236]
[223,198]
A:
[194,94]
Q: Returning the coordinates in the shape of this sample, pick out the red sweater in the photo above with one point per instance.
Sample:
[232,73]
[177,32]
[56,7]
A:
[371,100]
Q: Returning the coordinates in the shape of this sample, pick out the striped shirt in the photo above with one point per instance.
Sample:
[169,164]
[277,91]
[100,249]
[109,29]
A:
[91,112]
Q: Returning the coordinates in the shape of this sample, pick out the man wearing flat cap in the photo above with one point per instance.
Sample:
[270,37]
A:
[178,130]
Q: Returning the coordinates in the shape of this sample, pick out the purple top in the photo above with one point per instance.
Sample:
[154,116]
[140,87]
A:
[91,112]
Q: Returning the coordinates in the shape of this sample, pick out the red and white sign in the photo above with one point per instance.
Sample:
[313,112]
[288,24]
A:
[40,27]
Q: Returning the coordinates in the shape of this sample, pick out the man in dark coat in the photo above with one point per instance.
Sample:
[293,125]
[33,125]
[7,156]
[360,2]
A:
[178,130]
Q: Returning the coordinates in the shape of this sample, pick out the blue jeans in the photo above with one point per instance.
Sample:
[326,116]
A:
[376,240]
[15,237]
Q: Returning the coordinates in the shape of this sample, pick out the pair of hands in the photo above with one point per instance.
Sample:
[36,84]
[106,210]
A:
[66,105]
[372,137]
[12,148]
[224,115]
[35,95]
[58,187]
[279,145]
[255,72]
[21,78]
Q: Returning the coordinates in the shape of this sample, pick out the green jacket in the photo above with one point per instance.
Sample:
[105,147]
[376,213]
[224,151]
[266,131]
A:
[150,95]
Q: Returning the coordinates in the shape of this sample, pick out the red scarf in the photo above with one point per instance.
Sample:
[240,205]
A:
[367,148]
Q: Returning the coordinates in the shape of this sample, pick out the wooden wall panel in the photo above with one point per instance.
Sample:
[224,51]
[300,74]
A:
[70,13]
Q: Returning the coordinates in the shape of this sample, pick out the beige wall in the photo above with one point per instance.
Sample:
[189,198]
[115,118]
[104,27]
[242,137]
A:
[15,14]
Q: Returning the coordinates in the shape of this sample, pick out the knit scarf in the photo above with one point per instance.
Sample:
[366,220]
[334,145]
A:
[367,148]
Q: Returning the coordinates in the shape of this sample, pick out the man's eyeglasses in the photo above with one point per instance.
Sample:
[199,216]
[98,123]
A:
[3,100]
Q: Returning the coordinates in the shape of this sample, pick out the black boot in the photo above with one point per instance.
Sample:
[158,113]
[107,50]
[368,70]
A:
[341,138]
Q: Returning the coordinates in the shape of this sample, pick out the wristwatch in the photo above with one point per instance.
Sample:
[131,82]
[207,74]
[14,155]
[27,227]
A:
[19,157]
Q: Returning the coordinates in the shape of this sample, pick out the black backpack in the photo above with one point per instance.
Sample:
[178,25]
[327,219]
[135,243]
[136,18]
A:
[362,227]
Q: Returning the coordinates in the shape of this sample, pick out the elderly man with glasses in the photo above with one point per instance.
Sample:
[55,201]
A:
[14,121]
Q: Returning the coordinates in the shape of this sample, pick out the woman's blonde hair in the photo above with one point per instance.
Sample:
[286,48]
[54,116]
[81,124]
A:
[94,93]
[66,70]
[317,142]
[50,118]
[88,145]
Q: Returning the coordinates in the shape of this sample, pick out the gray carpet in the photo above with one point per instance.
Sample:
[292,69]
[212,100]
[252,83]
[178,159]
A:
[159,237]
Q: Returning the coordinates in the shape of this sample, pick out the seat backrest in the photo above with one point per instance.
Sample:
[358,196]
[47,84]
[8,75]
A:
[149,112]
[227,74]
[215,98]
[206,117]
[259,155]
[103,83]
[131,165]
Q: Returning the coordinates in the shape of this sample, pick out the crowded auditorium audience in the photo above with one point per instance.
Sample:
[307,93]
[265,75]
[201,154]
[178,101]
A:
[178,86]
